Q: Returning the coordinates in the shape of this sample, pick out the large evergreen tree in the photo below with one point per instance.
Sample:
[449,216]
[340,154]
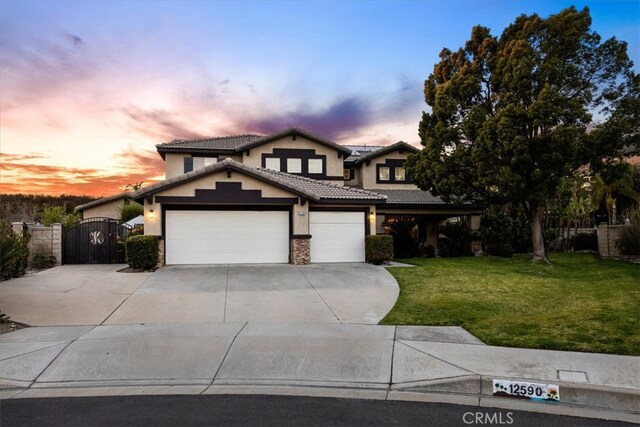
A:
[509,114]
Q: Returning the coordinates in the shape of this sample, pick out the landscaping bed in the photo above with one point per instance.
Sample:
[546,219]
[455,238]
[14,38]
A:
[578,303]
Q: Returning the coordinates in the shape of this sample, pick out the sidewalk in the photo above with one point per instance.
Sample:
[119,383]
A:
[435,364]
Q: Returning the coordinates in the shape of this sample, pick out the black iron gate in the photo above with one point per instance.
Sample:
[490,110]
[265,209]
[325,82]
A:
[94,241]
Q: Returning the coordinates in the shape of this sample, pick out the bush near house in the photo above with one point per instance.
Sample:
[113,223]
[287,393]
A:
[41,262]
[585,242]
[503,250]
[379,249]
[142,252]
[629,241]
[14,252]
[458,241]
[130,211]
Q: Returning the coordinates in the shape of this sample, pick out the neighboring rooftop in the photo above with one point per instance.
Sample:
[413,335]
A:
[398,146]
[358,151]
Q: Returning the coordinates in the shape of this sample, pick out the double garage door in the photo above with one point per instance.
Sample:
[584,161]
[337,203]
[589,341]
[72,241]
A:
[259,237]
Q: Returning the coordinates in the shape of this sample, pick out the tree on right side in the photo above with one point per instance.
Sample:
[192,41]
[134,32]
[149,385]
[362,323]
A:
[509,115]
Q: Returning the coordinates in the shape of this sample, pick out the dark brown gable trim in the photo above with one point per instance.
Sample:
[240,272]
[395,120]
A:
[227,193]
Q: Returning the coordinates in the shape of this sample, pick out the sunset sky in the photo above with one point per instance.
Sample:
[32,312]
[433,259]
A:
[87,88]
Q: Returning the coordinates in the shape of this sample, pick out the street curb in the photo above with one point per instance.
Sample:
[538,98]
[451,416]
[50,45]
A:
[580,405]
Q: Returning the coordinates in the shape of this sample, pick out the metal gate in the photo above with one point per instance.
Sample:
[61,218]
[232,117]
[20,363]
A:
[95,241]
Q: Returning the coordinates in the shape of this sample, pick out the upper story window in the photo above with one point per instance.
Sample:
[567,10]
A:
[304,162]
[294,165]
[315,166]
[392,171]
[272,163]
[192,163]
[383,173]
[346,174]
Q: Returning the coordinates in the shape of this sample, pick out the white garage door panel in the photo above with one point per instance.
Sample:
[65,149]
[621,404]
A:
[337,236]
[227,237]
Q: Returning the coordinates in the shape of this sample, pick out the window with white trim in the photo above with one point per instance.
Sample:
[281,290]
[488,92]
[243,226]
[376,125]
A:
[315,166]
[383,173]
[294,165]
[272,163]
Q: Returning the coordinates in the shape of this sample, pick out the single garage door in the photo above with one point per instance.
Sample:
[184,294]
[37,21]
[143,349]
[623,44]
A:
[337,236]
[227,237]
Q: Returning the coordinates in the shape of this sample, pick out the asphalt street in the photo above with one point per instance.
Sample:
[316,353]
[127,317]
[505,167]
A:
[241,410]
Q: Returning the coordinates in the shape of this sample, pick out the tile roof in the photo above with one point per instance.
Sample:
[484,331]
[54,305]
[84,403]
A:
[358,151]
[103,200]
[400,145]
[411,197]
[222,143]
[293,131]
[323,190]
[311,188]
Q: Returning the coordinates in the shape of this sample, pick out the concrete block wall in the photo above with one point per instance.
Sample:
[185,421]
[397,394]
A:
[44,240]
[607,236]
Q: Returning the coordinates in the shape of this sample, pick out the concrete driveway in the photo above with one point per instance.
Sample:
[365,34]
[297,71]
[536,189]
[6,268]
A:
[98,294]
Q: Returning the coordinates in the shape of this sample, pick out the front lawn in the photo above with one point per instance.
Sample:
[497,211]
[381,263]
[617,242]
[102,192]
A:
[578,303]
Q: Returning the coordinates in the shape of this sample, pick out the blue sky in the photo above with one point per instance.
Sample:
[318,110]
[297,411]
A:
[88,88]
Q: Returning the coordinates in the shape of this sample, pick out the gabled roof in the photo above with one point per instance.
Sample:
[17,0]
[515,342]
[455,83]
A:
[398,146]
[225,144]
[294,132]
[305,187]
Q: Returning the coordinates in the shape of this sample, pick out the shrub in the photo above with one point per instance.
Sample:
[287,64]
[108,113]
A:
[458,242]
[629,240]
[14,252]
[142,252]
[503,250]
[430,251]
[40,262]
[130,211]
[584,242]
[379,249]
[401,229]
[58,214]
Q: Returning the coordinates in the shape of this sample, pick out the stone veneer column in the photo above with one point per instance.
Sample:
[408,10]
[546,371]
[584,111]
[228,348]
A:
[300,249]
[160,252]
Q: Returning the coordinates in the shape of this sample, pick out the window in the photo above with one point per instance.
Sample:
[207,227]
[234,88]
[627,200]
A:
[383,173]
[399,173]
[346,174]
[294,165]
[315,165]
[272,163]
[200,162]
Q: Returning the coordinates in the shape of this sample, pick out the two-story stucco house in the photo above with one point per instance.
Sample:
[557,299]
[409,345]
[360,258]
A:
[287,197]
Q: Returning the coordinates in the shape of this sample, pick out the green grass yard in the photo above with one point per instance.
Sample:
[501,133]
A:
[578,303]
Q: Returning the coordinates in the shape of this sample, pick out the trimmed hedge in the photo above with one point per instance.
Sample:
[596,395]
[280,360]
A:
[503,250]
[379,249]
[585,242]
[142,252]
